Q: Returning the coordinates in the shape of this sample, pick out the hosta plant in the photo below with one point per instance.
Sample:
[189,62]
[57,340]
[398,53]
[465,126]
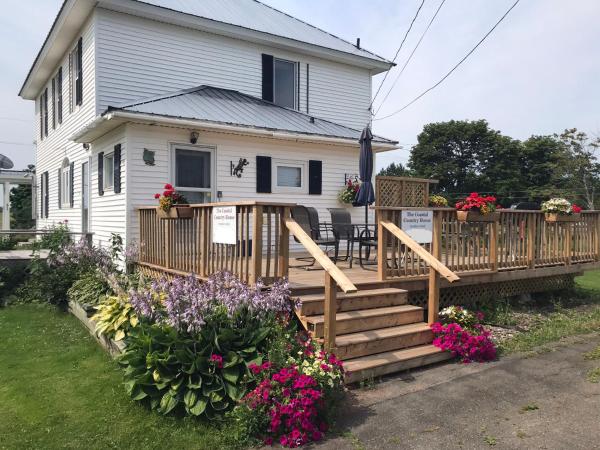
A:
[201,374]
[115,317]
[89,290]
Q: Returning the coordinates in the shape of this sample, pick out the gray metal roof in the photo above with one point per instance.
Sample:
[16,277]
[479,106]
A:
[254,15]
[223,106]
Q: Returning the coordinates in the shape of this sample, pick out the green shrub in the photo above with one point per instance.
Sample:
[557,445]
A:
[7,243]
[202,375]
[115,317]
[89,290]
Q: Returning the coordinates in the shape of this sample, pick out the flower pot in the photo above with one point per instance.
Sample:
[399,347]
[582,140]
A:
[556,217]
[176,212]
[476,216]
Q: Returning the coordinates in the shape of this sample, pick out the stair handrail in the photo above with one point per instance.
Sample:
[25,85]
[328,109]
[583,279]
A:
[436,267]
[333,277]
[433,262]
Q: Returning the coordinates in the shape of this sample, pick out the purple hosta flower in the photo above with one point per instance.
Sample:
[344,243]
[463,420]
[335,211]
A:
[132,252]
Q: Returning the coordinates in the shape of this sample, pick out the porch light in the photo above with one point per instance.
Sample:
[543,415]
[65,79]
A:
[194,137]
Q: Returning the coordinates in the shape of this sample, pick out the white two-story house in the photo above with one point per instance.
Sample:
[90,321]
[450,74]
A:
[133,94]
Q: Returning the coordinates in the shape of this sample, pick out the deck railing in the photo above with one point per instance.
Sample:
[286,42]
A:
[185,245]
[517,240]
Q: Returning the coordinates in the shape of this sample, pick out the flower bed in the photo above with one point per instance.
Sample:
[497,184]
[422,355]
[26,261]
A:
[461,333]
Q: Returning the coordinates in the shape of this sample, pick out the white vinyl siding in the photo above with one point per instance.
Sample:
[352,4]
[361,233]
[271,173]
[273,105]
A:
[53,149]
[140,58]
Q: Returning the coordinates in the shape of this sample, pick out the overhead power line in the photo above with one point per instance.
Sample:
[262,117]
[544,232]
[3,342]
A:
[397,51]
[17,143]
[16,119]
[453,68]
[410,56]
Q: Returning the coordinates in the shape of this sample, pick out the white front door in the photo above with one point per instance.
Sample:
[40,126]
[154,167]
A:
[193,172]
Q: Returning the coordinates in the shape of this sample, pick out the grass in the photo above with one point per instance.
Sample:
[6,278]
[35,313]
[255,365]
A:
[58,389]
[593,376]
[576,312]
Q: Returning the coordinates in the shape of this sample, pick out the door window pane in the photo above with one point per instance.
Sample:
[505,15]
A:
[284,83]
[192,169]
[194,197]
[288,176]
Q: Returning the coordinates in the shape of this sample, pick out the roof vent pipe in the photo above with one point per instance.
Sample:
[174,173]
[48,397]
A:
[357,42]
[312,119]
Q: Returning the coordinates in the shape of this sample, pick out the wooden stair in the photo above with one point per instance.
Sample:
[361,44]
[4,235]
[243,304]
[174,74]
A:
[377,331]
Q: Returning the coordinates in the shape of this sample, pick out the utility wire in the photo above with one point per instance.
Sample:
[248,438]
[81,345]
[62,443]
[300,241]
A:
[17,143]
[410,57]
[454,68]
[397,52]
[16,119]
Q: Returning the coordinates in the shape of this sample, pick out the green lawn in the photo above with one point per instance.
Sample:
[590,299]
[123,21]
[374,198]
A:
[58,389]
[577,314]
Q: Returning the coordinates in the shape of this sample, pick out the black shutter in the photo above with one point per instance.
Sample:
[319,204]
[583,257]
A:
[53,103]
[267,77]
[59,188]
[46,194]
[315,177]
[79,84]
[117,169]
[59,89]
[72,192]
[46,112]
[101,173]
[263,174]
[42,215]
[42,117]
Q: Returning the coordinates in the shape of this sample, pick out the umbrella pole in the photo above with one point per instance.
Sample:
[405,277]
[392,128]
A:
[366,214]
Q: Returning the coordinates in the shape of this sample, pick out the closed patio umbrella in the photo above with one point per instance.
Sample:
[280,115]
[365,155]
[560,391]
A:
[366,194]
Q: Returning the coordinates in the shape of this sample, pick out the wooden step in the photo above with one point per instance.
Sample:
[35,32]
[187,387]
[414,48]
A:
[313,304]
[372,366]
[382,340]
[366,319]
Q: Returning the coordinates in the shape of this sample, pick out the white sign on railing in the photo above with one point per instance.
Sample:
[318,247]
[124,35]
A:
[418,225]
[224,225]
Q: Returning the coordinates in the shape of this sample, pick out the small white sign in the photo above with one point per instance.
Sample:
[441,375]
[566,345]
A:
[224,225]
[418,225]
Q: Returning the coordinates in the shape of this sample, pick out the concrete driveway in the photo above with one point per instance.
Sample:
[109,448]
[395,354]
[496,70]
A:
[530,402]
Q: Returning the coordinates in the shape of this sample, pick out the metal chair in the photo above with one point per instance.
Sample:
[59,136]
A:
[308,219]
[344,230]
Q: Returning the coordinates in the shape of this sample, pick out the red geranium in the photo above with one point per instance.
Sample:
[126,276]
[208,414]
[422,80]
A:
[576,209]
[475,202]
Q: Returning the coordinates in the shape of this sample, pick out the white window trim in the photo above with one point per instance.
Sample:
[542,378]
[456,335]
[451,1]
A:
[65,184]
[303,165]
[105,186]
[296,68]
[213,168]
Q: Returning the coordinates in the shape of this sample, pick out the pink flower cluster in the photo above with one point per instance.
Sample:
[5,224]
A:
[292,401]
[217,360]
[468,346]
[475,202]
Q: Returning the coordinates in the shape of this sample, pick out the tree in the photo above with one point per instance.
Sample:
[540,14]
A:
[20,204]
[581,166]
[542,167]
[466,156]
[394,170]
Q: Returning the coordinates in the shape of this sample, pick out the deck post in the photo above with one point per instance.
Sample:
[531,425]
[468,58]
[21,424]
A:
[531,237]
[494,246]
[433,301]
[381,246]
[329,313]
[257,235]
[568,242]
[284,243]
[203,239]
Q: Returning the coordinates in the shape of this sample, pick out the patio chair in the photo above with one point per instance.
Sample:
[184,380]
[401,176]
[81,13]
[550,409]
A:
[363,234]
[308,219]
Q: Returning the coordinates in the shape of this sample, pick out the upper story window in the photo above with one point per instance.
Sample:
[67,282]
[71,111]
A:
[279,81]
[44,114]
[284,83]
[76,76]
[57,98]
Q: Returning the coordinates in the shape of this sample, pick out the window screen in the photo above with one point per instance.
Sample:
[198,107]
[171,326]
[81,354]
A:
[192,169]
[289,176]
[109,171]
[284,85]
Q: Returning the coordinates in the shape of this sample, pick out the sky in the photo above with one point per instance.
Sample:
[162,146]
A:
[538,73]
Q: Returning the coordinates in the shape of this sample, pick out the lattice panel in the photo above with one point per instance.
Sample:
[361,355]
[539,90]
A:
[414,194]
[401,191]
[465,295]
[155,274]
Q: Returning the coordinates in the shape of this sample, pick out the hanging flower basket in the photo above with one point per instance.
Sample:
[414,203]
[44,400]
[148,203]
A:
[476,216]
[175,212]
[476,208]
[560,210]
[172,205]
[557,217]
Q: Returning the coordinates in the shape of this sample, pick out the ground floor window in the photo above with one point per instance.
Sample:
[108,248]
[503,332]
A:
[193,172]
[65,184]
[289,176]
[109,171]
